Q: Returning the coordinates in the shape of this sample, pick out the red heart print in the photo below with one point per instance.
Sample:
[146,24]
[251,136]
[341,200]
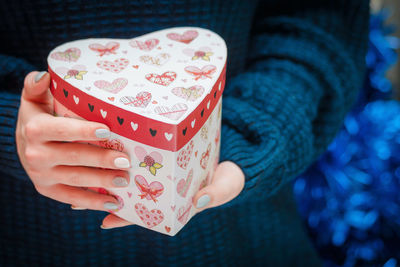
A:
[173,113]
[147,45]
[114,144]
[115,66]
[114,87]
[205,157]
[111,98]
[186,37]
[149,191]
[168,229]
[183,185]
[184,155]
[141,100]
[164,79]
[150,218]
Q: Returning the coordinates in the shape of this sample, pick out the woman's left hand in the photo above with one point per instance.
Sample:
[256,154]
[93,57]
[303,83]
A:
[227,183]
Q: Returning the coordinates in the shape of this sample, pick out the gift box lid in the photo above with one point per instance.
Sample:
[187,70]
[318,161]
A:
[157,89]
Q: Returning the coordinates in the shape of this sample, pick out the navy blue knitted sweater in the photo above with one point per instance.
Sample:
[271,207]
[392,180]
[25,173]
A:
[294,70]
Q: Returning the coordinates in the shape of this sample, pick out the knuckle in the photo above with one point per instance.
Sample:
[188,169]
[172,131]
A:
[32,130]
[61,131]
[35,175]
[105,180]
[98,202]
[85,131]
[73,156]
[31,156]
[75,179]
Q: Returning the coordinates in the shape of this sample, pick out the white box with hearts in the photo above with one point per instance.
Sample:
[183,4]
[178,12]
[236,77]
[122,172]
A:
[161,96]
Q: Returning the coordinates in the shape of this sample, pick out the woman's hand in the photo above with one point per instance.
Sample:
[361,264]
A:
[57,166]
[227,183]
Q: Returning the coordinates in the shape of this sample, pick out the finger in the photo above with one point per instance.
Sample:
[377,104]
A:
[77,154]
[45,127]
[113,221]
[227,183]
[81,198]
[89,177]
[36,87]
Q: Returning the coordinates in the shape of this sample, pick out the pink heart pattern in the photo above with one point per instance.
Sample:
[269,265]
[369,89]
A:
[69,55]
[189,94]
[183,185]
[186,37]
[150,218]
[114,87]
[164,79]
[184,155]
[141,100]
[183,212]
[173,113]
[149,191]
[115,66]
[158,60]
[147,45]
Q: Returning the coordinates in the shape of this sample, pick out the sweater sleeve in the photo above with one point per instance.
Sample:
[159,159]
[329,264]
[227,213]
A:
[305,68]
[12,73]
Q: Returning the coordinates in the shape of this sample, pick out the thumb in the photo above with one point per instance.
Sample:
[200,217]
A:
[227,183]
[36,87]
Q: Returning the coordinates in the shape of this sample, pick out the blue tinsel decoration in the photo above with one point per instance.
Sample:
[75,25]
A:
[350,198]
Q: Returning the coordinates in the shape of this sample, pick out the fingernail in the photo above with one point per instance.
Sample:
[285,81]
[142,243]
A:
[120,181]
[39,76]
[121,163]
[77,208]
[203,201]
[102,133]
[105,227]
[110,206]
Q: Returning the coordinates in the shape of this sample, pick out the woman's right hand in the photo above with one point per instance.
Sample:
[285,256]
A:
[57,166]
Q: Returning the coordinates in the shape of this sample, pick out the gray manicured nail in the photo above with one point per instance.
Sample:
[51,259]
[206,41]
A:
[39,76]
[110,206]
[203,201]
[121,163]
[120,181]
[102,133]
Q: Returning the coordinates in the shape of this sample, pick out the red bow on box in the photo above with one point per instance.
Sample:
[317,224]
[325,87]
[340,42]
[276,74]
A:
[109,48]
[202,73]
[150,191]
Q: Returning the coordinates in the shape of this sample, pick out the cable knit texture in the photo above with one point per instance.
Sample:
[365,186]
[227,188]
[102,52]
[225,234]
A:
[294,69]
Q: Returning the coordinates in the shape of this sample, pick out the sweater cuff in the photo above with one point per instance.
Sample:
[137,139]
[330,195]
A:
[9,160]
[251,141]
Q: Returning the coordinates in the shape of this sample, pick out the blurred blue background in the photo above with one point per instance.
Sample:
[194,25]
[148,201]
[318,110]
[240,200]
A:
[350,198]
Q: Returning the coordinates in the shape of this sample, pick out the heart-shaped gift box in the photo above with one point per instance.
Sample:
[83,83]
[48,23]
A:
[160,94]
